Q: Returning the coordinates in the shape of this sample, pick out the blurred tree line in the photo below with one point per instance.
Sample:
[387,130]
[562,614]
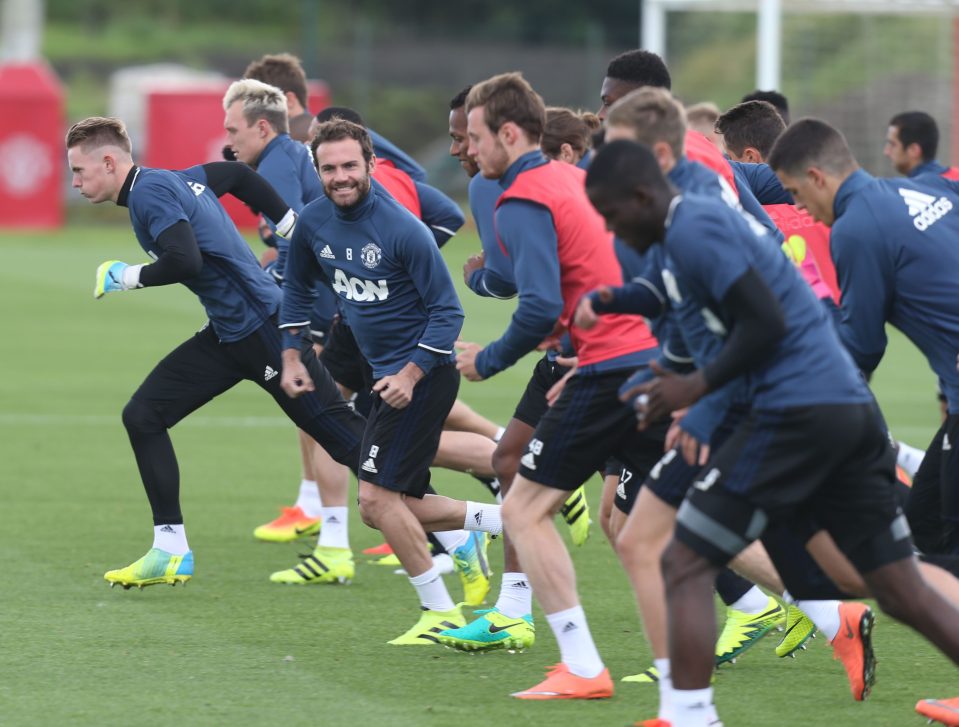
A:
[532,21]
[380,57]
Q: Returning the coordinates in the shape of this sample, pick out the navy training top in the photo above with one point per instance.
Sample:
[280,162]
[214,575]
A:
[392,282]
[894,243]
[495,279]
[709,246]
[286,164]
[237,294]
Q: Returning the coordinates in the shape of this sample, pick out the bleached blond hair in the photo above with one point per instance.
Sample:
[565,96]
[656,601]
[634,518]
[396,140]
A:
[260,101]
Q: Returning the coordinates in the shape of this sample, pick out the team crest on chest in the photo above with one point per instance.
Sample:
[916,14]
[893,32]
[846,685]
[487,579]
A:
[371,255]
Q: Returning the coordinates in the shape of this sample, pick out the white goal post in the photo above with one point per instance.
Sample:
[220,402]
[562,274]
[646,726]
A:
[769,22]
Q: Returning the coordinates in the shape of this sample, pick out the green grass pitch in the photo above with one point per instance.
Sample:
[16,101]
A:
[234,648]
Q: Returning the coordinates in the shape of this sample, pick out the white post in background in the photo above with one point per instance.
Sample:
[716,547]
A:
[653,27]
[768,45]
[21,30]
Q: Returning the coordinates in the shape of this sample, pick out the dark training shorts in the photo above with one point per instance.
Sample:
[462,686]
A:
[400,444]
[533,404]
[627,490]
[584,428]
[343,359]
[832,463]
[672,477]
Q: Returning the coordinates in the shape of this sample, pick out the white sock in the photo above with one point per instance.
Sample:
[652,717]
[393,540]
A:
[309,498]
[576,648]
[482,516]
[515,596]
[171,538]
[451,539]
[909,458]
[335,528]
[692,707]
[500,431]
[665,689]
[432,590]
[752,602]
[825,614]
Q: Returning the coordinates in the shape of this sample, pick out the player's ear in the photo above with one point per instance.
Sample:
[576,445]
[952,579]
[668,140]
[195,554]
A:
[508,133]
[752,155]
[663,153]
[372,165]
[816,176]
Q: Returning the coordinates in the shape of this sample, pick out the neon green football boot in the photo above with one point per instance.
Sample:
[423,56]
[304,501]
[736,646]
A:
[650,676]
[323,565]
[575,512]
[492,630]
[799,629]
[428,628]
[743,630]
[473,567]
[154,568]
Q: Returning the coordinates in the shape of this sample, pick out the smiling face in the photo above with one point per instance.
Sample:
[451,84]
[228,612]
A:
[344,172]
[486,149]
[95,172]
[459,141]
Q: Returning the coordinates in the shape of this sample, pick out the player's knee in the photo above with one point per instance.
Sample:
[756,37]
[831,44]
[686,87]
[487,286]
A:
[372,506]
[514,515]
[140,417]
[505,463]
[680,564]
[632,551]
[626,551]
[367,508]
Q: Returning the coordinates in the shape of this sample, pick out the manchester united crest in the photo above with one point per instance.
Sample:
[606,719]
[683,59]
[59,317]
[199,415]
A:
[371,255]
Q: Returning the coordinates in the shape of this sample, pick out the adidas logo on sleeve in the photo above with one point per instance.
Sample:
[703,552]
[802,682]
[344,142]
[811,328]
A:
[327,253]
[924,209]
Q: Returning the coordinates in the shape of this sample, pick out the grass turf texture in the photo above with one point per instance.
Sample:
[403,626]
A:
[232,647]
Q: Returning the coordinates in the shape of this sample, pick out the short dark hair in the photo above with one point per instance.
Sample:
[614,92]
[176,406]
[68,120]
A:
[338,129]
[752,123]
[283,70]
[811,142]
[918,127]
[642,67]
[340,112]
[775,98]
[509,97]
[99,131]
[459,100]
[621,166]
